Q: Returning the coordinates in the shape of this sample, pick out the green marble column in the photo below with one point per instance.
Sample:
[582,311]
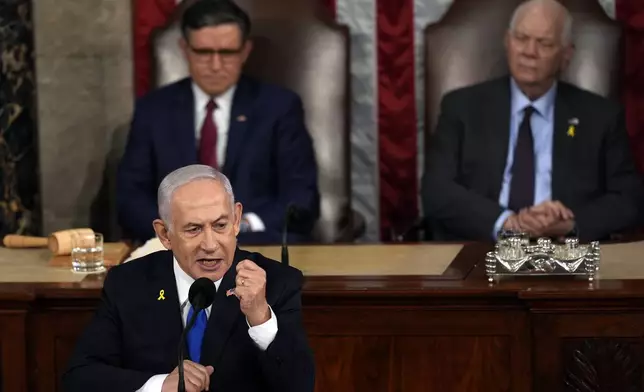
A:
[19,206]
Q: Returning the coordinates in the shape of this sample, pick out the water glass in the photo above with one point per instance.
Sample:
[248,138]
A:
[87,253]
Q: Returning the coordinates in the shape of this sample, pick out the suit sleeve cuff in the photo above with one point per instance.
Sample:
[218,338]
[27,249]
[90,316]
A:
[264,334]
[254,221]
[154,384]
[498,225]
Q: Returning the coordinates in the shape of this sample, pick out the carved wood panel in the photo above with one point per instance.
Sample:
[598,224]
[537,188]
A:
[589,351]
[596,365]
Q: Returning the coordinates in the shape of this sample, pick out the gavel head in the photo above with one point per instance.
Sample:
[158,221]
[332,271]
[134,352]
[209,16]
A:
[61,242]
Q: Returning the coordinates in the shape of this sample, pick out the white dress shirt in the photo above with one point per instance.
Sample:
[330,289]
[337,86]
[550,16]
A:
[222,121]
[263,334]
[542,126]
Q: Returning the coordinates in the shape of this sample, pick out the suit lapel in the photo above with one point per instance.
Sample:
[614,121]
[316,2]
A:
[223,316]
[240,116]
[497,126]
[562,152]
[164,300]
[183,131]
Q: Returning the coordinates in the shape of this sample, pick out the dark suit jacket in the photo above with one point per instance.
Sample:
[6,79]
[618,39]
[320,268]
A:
[269,157]
[134,336]
[593,172]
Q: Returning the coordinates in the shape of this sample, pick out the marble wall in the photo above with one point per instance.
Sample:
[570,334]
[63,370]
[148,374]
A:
[19,202]
[83,53]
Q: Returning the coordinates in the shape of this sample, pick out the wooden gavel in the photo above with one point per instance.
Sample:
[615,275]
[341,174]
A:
[59,243]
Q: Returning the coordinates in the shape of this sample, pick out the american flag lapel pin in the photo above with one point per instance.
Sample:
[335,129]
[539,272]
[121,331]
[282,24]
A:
[241,118]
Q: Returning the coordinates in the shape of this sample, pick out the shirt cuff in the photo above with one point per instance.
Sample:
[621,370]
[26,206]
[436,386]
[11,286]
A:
[498,225]
[254,221]
[264,334]
[154,384]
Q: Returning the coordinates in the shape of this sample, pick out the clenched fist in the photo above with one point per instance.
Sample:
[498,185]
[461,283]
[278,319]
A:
[251,290]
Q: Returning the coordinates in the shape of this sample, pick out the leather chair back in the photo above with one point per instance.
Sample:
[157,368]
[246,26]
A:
[295,46]
[466,47]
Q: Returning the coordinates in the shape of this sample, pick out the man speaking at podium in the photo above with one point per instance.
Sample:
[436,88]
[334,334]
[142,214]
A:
[250,339]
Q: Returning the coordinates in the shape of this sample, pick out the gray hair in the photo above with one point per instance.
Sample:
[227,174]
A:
[183,176]
[566,34]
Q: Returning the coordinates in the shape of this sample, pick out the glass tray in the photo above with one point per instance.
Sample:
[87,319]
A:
[515,255]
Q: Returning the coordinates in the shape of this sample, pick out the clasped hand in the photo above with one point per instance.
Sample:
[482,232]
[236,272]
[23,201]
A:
[548,219]
[196,378]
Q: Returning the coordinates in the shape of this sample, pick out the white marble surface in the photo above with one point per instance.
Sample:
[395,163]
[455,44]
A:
[85,99]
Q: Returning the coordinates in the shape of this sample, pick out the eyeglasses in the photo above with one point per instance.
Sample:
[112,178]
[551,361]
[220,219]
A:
[225,55]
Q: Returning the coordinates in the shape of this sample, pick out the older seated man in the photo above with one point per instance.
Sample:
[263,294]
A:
[530,152]
[253,132]
[250,339]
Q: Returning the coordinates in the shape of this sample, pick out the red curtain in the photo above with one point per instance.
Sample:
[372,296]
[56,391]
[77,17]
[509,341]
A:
[397,131]
[148,15]
[329,5]
[631,14]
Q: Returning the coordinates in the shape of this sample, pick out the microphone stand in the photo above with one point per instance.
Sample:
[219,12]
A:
[182,343]
[285,240]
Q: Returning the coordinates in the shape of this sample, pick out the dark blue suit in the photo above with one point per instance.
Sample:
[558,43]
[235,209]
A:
[269,157]
[134,335]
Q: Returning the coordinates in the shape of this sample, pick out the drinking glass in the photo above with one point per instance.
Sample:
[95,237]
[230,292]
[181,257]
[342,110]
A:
[87,253]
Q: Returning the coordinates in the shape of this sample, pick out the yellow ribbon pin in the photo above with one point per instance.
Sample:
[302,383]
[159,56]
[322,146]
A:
[572,123]
[161,295]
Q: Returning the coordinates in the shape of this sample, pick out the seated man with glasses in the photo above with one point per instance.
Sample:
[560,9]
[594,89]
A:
[251,131]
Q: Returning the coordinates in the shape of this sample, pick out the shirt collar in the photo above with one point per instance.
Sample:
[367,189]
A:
[224,101]
[544,105]
[184,281]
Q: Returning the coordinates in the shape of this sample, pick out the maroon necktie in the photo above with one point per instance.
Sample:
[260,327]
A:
[208,143]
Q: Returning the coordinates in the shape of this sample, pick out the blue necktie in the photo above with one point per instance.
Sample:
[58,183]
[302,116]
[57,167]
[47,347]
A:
[195,335]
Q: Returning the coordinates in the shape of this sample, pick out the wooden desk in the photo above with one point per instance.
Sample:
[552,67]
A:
[448,332]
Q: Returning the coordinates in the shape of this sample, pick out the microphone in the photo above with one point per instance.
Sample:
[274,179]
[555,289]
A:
[201,295]
[291,212]
[297,220]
